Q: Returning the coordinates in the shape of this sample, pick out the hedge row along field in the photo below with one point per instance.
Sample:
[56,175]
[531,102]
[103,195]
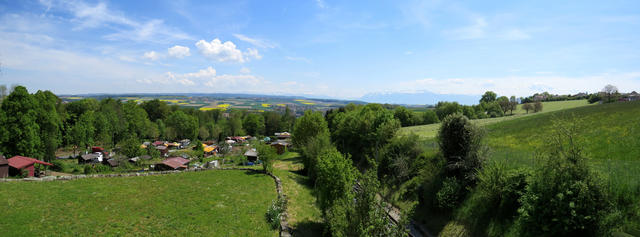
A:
[211,203]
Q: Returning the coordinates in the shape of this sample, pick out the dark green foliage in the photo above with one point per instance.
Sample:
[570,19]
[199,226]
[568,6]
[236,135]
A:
[336,177]
[493,109]
[564,197]
[311,124]
[429,116]
[595,97]
[492,206]
[156,109]
[182,126]
[271,123]
[488,97]
[401,159]
[451,193]
[444,109]
[20,133]
[461,144]
[312,150]
[49,123]
[363,131]
[253,124]
[267,154]
[404,115]
[130,147]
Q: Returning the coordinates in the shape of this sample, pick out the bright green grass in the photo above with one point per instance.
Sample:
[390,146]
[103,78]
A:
[208,203]
[304,215]
[430,130]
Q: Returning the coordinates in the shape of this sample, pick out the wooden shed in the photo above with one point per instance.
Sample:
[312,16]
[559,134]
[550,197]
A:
[4,167]
[19,163]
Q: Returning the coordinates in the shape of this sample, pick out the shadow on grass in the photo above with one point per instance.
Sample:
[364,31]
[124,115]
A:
[308,228]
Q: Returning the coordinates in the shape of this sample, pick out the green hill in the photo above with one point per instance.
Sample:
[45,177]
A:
[430,130]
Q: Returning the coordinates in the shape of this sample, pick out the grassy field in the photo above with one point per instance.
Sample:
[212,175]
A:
[430,130]
[210,203]
[304,215]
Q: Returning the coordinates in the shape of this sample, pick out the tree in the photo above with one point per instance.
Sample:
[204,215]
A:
[444,108]
[537,106]
[182,125]
[404,116]
[287,120]
[49,123]
[513,103]
[334,184]
[253,124]
[311,124]
[610,91]
[267,156]
[363,131]
[504,103]
[527,107]
[271,123]
[156,109]
[20,132]
[488,97]
[461,144]
[130,147]
[429,117]
[595,97]
[203,133]
[83,131]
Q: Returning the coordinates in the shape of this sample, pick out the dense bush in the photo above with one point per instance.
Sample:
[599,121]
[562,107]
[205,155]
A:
[564,198]
[429,117]
[461,144]
[451,193]
[312,150]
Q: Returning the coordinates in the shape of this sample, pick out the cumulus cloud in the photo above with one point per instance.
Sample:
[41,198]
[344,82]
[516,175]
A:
[179,51]
[151,55]
[226,52]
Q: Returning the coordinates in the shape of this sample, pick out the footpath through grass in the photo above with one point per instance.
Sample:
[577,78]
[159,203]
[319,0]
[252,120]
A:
[304,215]
[430,130]
[208,203]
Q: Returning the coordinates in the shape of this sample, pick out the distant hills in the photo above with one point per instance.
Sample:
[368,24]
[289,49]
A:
[421,98]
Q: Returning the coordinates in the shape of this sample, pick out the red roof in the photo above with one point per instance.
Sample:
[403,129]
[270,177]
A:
[20,162]
[176,162]
[97,149]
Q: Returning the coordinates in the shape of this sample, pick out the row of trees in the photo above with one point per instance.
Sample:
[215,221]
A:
[36,125]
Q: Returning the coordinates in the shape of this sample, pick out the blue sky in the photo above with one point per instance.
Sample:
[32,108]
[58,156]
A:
[320,48]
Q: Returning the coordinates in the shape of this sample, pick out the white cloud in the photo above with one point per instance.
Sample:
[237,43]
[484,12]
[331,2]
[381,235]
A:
[226,52]
[179,51]
[245,70]
[299,59]
[87,16]
[321,4]
[252,53]
[260,43]
[151,55]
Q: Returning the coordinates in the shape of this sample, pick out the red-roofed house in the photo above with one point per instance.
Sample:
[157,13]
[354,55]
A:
[173,163]
[19,163]
[97,149]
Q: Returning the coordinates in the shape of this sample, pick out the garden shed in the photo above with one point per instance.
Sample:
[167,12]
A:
[19,163]
[4,167]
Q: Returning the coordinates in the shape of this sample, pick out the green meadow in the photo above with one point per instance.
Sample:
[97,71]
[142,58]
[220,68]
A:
[430,130]
[208,203]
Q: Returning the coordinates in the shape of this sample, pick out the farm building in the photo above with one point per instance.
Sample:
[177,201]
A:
[283,135]
[281,146]
[173,163]
[4,167]
[252,155]
[164,151]
[19,163]
[90,158]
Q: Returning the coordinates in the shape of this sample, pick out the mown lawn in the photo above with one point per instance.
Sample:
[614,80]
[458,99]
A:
[209,203]
[304,215]
[431,130]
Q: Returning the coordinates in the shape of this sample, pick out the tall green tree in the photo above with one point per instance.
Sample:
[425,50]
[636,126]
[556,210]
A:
[20,130]
[488,97]
[253,124]
[311,124]
[49,123]
[184,126]
[156,109]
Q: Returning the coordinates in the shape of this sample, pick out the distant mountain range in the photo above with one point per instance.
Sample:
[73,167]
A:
[418,98]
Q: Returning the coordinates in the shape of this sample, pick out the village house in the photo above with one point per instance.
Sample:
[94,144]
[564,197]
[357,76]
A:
[91,158]
[4,167]
[19,163]
[281,146]
[173,163]
[252,155]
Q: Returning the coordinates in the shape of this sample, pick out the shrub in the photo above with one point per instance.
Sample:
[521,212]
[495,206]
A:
[88,169]
[564,197]
[100,168]
[275,211]
[311,150]
[450,194]
[461,144]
